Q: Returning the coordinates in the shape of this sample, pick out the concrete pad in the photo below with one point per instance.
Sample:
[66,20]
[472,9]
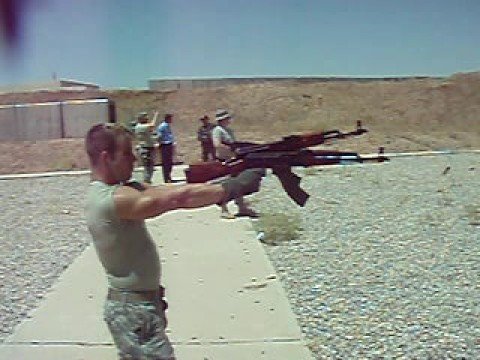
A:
[263,351]
[249,351]
[220,286]
[57,352]
[225,300]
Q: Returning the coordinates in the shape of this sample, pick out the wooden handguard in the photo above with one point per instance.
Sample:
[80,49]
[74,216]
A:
[204,171]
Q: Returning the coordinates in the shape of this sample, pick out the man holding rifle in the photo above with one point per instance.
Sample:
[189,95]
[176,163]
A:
[116,208]
[280,156]
[223,138]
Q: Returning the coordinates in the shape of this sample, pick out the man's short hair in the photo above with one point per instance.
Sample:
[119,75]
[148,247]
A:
[104,137]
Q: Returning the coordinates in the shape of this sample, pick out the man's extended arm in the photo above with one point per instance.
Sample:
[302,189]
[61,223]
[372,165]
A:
[134,204]
[153,124]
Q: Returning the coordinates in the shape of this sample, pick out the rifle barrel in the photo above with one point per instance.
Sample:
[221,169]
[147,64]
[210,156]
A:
[296,142]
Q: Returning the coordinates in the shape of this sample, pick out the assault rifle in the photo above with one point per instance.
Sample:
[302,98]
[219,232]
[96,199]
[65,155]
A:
[280,156]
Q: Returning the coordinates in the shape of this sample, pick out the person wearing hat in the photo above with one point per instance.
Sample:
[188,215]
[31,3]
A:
[222,138]
[166,140]
[145,144]
[204,135]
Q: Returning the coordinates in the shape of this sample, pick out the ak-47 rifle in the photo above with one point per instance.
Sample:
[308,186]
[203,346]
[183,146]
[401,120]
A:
[280,156]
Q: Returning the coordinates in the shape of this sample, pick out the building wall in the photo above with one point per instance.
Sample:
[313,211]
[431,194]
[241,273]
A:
[49,86]
[177,84]
[81,115]
[52,120]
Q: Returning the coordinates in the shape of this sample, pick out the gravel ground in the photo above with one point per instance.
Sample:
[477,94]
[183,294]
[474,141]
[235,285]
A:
[386,265]
[42,231]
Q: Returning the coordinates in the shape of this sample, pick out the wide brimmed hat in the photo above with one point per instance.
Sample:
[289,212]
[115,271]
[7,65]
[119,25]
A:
[221,114]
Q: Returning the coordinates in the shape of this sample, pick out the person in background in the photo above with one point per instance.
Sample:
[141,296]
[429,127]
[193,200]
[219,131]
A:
[145,143]
[222,138]
[166,141]
[116,209]
[204,135]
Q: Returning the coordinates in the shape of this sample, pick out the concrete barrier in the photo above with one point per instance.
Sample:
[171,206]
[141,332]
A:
[53,120]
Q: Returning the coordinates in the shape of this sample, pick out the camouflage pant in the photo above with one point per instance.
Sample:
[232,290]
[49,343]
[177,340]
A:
[147,157]
[138,330]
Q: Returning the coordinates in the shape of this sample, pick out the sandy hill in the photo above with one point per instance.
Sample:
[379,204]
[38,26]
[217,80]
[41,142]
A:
[413,114]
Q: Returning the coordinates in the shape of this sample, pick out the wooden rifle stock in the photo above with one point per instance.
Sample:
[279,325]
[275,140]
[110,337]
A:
[280,162]
[206,171]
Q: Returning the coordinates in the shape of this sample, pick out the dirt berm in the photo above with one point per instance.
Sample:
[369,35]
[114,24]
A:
[407,115]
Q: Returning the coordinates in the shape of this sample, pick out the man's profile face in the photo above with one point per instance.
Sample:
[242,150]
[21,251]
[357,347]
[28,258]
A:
[123,161]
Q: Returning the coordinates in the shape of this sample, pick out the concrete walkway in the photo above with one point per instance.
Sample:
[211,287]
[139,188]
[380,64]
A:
[226,301]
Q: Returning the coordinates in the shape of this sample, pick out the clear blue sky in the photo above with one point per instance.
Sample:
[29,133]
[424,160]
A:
[124,43]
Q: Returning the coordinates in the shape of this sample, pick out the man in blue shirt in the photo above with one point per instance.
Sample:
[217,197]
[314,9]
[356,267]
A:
[166,140]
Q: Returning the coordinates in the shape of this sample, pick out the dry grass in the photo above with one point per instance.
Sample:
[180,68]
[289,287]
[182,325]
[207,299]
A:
[278,228]
[428,114]
[410,115]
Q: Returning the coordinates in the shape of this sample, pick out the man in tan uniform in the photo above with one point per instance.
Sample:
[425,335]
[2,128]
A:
[222,138]
[116,209]
[146,146]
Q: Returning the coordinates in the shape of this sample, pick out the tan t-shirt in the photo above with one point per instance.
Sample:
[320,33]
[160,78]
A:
[223,135]
[124,247]
[144,135]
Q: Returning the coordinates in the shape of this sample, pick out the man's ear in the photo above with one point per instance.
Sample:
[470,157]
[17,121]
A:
[104,157]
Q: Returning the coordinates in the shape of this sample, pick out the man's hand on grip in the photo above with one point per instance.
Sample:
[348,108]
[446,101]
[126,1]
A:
[245,183]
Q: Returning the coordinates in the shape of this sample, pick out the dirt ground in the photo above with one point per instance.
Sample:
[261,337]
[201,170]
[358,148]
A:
[414,114]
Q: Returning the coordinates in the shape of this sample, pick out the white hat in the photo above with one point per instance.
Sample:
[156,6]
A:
[222,114]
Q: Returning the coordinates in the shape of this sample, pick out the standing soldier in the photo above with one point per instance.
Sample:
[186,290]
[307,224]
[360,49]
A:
[204,135]
[145,143]
[223,138]
[116,210]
